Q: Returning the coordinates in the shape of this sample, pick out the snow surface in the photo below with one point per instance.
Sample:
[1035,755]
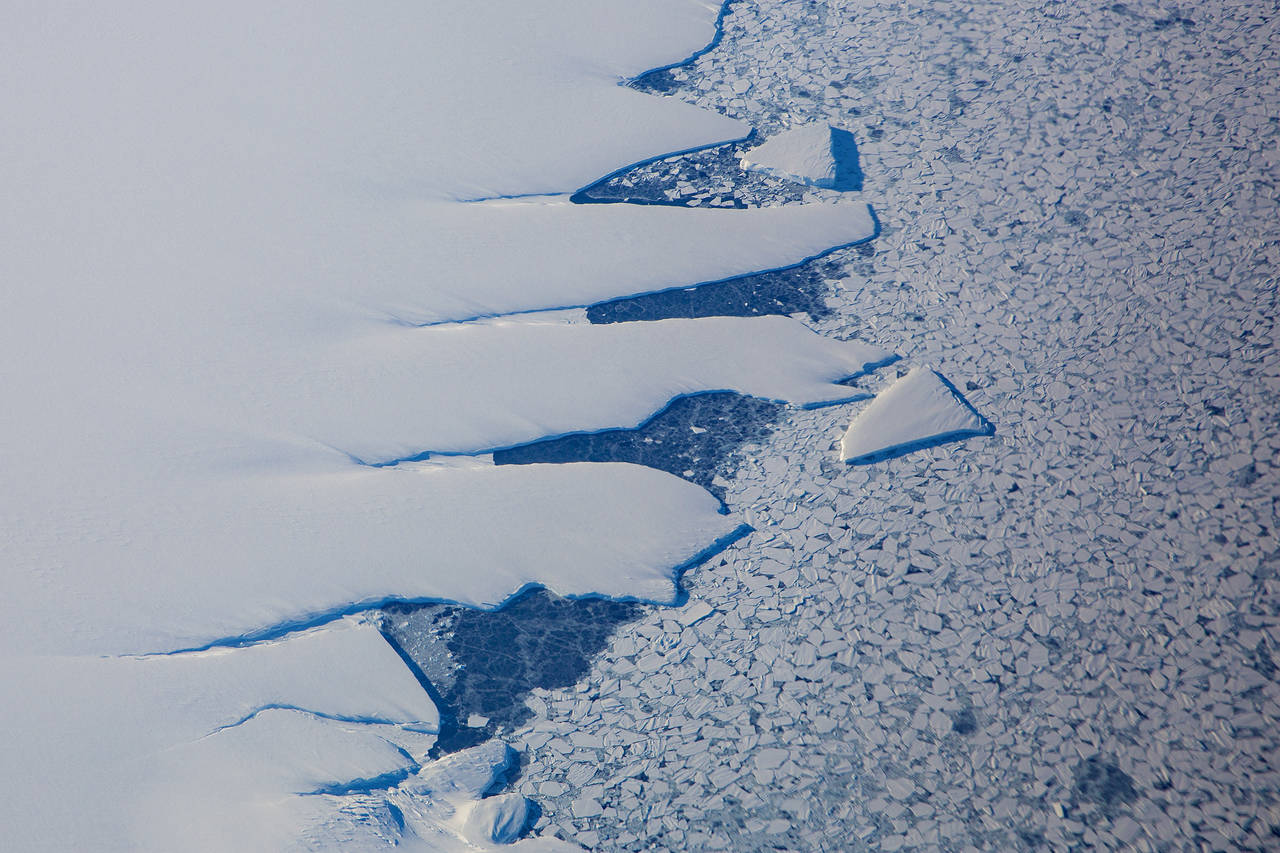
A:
[135,105]
[920,408]
[221,225]
[802,154]
[256,549]
[182,752]
[197,346]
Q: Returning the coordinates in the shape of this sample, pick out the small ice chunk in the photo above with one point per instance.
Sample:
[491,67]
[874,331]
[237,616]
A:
[814,154]
[920,409]
[695,612]
[900,788]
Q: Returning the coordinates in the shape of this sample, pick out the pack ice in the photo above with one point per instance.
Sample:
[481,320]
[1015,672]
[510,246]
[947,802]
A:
[243,246]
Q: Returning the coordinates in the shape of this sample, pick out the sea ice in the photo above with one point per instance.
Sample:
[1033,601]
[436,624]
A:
[918,410]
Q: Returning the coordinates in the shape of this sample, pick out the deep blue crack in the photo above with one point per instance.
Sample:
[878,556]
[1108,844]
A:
[340,718]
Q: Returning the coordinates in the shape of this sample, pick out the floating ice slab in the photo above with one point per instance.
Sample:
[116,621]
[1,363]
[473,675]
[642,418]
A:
[919,410]
[815,154]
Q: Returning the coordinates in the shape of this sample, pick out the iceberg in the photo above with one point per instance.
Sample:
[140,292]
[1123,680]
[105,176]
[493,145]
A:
[815,154]
[919,410]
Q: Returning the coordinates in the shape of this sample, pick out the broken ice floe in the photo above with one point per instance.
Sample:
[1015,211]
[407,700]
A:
[710,178]
[919,410]
[815,154]
[453,800]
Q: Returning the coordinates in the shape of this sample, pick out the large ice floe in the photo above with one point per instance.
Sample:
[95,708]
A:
[919,410]
[815,154]
[243,244]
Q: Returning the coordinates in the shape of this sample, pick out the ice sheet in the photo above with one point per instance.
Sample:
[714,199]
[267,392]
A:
[251,552]
[195,342]
[396,392]
[412,100]
[307,742]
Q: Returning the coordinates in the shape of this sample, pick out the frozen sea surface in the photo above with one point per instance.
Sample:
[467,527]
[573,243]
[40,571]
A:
[1062,636]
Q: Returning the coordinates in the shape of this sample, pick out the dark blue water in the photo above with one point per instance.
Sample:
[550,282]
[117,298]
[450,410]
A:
[485,663]
[694,438]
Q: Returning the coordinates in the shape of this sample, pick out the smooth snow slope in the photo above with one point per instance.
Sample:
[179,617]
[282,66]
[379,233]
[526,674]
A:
[136,753]
[203,269]
[222,226]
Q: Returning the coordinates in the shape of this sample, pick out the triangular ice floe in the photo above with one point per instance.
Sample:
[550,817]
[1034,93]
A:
[815,154]
[919,410]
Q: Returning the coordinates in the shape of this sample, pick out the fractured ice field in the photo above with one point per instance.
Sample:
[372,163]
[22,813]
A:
[1059,637]
[255,257]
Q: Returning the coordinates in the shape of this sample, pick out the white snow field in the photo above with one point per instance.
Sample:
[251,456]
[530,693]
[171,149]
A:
[917,409]
[225,227]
